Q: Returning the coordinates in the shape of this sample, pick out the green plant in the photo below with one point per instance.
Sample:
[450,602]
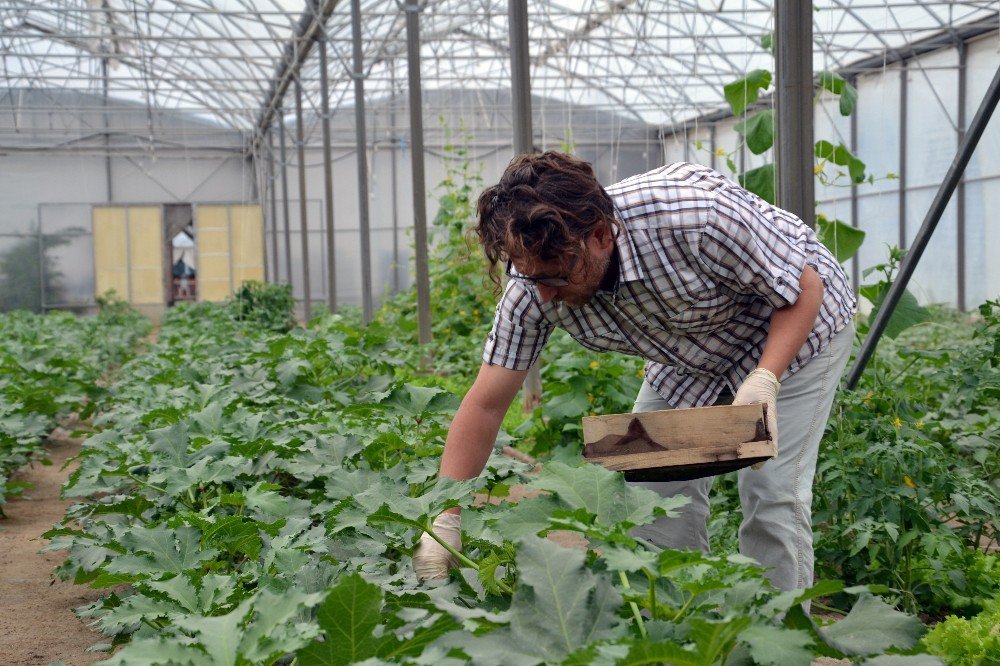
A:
[266,304]
[967,642]
[253,496]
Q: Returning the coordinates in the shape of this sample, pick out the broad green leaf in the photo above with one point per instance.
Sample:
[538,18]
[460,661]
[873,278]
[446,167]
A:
[604,494]
[163,550]
[657,653]
[272,632]
[841,156]
[624,559]
[179,589]
[760,181]
[774,646]
[841,239]
[758,130]
[715,638]
[235,535]
[872,627]
[745,91]
[559,607]
[528,517]
[171,443]
[839,86]
[220,635]
[159,652]
[348,617]
[908,311]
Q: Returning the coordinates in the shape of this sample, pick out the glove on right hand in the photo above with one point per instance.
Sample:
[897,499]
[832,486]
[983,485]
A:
[430,559]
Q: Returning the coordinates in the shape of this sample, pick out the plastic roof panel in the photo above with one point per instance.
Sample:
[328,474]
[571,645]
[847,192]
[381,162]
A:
[659,61]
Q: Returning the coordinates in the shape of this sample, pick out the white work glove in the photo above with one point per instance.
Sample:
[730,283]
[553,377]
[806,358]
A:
[761,386]
[430,559]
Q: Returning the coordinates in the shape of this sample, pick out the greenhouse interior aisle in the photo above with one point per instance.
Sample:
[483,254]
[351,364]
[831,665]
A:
[37,624]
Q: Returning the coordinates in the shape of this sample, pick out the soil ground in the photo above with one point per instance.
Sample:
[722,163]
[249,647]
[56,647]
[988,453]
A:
[37,624]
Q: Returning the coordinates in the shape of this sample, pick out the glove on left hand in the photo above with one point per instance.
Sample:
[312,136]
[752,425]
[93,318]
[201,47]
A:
[761,386]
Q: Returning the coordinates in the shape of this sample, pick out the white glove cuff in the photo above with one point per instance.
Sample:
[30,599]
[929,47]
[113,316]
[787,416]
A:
[449,520]
[764,372]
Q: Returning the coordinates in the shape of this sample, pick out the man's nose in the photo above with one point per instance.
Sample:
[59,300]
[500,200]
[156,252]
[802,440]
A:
[546,294]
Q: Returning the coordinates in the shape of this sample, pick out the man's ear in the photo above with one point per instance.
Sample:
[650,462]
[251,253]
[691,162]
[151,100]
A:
[604,236]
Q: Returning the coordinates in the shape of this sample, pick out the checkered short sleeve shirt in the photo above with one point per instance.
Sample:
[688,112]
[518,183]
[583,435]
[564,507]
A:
[702,265]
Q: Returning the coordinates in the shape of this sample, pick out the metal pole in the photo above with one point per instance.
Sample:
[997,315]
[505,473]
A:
[394,178]
[284,196]
[909,263]
[903,102]
[793,146]
[362,146]
[960,195]
[520,71]
[300,146]
[274,204]
[107,133]
[331,263]
[855,264]
[412,9]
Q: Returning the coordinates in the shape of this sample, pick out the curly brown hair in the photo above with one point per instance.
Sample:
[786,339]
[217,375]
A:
[545,207]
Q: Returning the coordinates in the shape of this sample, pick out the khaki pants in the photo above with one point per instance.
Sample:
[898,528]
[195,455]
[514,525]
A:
[776,499]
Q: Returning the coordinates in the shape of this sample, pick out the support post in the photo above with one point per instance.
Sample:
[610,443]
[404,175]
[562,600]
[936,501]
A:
[520,71]
[855,219]
[284,196]
[107,133]
[963,63]
[412,9]
[941,199]
[903,104]
[300,147]
[362,146]
[331,247]
[273,180]
[795,185]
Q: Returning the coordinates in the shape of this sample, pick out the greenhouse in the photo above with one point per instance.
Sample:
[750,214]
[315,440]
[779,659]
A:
[280,285]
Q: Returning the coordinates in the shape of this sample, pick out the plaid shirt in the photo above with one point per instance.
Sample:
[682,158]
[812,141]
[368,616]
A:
[702,265]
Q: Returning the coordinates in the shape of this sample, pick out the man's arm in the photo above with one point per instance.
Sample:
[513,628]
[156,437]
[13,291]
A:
[790,325]
[477,421]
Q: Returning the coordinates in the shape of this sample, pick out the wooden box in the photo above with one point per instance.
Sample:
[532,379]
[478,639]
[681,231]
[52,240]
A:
[679,444]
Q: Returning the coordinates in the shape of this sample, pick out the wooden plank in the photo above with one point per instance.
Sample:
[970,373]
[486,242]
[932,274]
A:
[698,456]
[674,429]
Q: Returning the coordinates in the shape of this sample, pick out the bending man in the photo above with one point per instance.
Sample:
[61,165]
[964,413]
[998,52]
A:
[723,294]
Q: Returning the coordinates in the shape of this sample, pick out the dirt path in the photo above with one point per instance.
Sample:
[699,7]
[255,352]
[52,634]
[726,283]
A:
[37,624]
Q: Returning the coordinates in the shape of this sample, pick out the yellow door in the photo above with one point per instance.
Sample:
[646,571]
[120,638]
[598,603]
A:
[128,252]
[230,243]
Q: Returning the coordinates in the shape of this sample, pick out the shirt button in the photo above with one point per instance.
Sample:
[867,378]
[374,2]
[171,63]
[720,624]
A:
[675,349]
[780,281]
[680,372]
[703,316]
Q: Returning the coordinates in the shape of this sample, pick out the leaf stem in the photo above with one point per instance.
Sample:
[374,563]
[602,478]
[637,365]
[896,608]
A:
[828,609]
[635,606]
[652,592]
[429,528]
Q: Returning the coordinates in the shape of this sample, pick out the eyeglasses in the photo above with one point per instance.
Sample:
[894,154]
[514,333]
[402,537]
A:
[545,280]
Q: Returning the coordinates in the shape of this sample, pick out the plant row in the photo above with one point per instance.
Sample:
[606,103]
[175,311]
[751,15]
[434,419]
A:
[50,366]
[255,497]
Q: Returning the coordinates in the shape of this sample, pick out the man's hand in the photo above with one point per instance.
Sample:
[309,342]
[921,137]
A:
[431,559]
[761,386]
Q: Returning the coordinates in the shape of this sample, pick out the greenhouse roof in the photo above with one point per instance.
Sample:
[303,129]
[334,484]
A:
[658,61]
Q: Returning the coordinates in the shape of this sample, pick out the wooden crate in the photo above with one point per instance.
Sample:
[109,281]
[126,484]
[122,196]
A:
[679,444]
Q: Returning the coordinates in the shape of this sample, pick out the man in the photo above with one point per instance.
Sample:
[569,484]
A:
[719,291]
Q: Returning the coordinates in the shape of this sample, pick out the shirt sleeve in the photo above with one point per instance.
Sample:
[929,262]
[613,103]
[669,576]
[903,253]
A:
[754,248]
[519,330]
